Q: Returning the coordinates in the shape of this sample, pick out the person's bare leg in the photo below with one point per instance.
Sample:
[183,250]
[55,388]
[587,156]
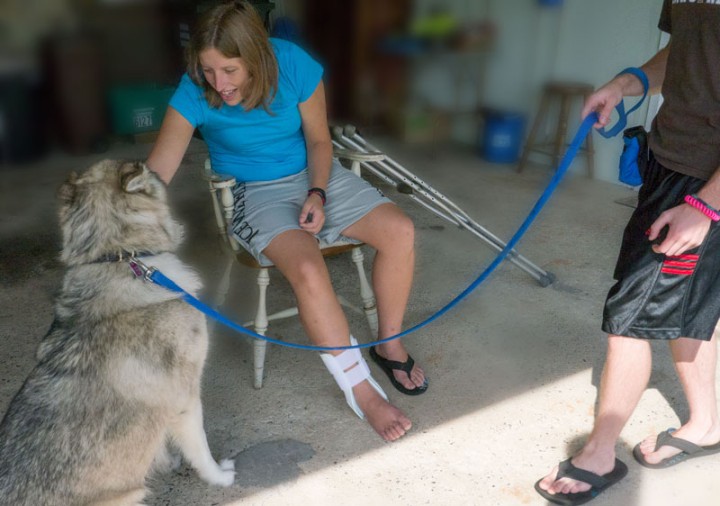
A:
[391,233]
[295,253]
[695,363]
[624,379]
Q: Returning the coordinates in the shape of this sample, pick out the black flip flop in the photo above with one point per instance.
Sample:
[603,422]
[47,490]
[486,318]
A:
[388,366]
[597,482]
[689,450]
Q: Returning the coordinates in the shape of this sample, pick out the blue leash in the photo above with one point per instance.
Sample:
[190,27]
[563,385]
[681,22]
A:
[157,277]
[620,108]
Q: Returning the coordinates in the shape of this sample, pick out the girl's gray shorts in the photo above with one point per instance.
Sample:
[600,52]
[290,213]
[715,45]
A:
[265,209]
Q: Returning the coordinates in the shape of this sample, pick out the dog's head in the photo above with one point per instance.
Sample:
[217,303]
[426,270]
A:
[115,207]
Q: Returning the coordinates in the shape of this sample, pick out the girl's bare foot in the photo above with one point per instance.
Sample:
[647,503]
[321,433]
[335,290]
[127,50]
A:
[386,419]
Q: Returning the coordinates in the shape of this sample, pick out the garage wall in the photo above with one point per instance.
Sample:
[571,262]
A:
[585,40]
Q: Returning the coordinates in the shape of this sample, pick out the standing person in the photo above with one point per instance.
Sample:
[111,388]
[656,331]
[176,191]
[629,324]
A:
[668,271]
[260,105]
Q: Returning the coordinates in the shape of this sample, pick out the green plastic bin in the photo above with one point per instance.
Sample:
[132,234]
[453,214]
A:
[140,108]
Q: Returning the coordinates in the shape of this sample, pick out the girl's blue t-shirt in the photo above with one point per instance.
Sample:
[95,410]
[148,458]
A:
[254,145]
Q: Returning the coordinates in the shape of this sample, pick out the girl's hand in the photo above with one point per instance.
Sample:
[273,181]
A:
[312,215]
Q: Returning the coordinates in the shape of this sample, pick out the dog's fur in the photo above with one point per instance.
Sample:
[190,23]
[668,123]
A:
[118,374]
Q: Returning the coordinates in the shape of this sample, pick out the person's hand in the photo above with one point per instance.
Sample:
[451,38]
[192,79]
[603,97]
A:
[312,215]
[687,229]
[603,101]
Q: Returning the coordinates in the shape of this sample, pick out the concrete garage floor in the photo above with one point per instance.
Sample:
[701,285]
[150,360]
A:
[513,368]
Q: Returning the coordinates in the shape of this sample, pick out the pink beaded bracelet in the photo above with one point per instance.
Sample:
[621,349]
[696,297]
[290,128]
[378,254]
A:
[702,206]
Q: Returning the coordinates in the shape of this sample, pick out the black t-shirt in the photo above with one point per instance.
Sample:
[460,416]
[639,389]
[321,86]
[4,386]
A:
[685,135]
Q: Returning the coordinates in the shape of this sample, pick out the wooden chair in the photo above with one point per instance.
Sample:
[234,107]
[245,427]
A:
[223,204]
[563,93]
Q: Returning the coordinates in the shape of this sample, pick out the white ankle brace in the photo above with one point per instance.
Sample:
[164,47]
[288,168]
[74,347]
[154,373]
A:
[349,368]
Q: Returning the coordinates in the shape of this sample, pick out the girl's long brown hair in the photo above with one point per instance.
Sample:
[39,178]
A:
[236,31]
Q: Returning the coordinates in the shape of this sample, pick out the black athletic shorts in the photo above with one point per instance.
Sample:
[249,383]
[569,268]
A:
[659,297]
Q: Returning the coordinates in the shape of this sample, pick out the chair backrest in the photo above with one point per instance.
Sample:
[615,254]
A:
[223,202]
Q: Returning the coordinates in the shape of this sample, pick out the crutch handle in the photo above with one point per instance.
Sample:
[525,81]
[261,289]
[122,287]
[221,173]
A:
[336,132]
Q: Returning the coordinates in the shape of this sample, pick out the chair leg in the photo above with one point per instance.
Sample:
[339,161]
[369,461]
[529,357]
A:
[261,326]
[222,291]
[590,151]
[530,143]
[224,284]
[366,292]
[561,130]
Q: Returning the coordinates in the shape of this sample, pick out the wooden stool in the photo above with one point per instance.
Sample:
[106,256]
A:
[565,93]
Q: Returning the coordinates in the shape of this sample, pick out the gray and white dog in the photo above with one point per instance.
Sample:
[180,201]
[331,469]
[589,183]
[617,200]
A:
[118,374]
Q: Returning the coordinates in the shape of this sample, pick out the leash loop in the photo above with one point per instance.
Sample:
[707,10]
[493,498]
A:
[620,108]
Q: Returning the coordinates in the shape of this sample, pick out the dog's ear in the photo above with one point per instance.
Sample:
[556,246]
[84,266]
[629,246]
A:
[67,191]
[134,177]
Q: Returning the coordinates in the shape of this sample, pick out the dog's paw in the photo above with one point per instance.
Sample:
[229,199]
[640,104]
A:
[227,465]
[224,475]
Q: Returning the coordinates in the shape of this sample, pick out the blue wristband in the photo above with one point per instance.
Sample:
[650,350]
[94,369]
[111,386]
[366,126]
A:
[620,108]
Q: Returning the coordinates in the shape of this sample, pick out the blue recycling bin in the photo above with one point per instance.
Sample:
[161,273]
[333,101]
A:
[502,136]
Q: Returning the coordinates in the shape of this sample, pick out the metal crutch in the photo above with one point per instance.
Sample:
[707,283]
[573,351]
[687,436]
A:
[418,190]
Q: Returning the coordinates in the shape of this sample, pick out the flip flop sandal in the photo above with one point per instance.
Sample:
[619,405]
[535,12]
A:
[689,450]
[597,482]
[388,366]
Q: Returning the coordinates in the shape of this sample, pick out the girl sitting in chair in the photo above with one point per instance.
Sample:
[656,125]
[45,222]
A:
[260,106]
